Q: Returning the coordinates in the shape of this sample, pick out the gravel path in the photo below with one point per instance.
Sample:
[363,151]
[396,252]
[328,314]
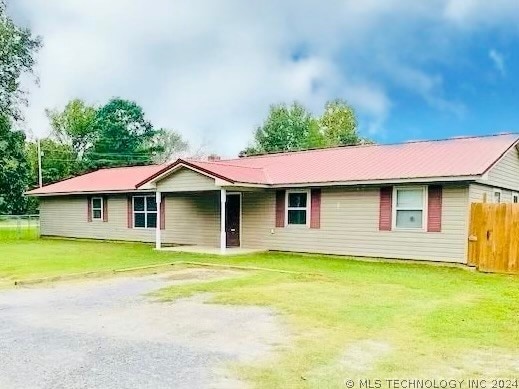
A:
[107,334]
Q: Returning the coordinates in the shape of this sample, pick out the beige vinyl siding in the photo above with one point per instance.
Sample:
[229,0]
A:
[477,194]
[193,218]
[349,226]
[190,219]
[184,180]
[505,173]
[67,216]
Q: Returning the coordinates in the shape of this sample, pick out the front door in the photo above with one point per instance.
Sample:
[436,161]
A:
[232,220]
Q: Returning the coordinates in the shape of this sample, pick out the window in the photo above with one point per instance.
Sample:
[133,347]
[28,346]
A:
[515,197]
[97,208]
[297,207]
[144,212]
[497,196]
[409,206]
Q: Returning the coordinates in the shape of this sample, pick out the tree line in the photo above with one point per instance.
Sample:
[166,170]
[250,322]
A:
[87,137]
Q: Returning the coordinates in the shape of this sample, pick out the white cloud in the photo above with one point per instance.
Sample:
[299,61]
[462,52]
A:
[473,13]
[212,68]
[498,61]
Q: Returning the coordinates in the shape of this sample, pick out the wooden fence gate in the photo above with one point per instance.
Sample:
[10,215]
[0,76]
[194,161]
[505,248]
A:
[494,237]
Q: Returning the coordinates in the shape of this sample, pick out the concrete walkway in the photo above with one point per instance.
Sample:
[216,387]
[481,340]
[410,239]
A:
[211,250]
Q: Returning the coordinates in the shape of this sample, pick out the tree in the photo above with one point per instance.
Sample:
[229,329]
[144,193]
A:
[286,128]
[13,169]
[172,144]
[58,162]
[123,136]
[18,48]
[74,126]
[294,128]
[339,124]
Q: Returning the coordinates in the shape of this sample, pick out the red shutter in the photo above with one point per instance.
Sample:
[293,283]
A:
[105,209]
[280,208]
[434,209]
[89,209]
[163,213]
[315,208]
[386,205]
[129,210]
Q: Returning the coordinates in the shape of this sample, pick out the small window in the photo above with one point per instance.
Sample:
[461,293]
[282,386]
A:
[297,207]
[97,208]
[515,197]
[409,208]
[144,212]
[497,196]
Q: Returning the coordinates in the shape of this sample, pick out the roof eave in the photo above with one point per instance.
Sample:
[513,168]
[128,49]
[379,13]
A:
[121,191]
[413,180]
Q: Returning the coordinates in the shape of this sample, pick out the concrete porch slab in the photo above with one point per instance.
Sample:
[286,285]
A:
[211,250]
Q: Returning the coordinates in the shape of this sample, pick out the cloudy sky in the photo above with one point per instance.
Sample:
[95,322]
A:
[211,68]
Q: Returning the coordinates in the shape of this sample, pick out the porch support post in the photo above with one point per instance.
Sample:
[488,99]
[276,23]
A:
[158,199]
[223,237]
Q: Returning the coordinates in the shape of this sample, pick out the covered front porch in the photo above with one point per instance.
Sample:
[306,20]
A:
[201,216]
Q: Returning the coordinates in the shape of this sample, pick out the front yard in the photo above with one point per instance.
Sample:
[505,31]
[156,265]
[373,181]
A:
[347,319]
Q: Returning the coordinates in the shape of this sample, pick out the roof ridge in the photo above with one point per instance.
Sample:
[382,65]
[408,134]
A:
[290,152]
[127,167]
[227,164]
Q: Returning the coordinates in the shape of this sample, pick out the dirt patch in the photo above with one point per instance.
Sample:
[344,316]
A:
[193,275]
[361,356]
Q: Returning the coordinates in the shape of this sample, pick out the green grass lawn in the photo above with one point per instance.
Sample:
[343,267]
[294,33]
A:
[378,320]
[344,318]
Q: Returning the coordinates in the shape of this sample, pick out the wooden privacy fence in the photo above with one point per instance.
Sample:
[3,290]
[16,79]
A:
[494,237]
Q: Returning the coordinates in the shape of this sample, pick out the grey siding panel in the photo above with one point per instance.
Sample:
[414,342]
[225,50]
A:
[185,180]
[505,173]
[349,226]
[190,219]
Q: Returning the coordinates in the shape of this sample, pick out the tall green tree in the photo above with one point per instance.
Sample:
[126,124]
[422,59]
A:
[172,145]
[123,136]
[18,49]
[14,170]
[74,126]
[294,128]
[58,162]
[338,124]
[286,128]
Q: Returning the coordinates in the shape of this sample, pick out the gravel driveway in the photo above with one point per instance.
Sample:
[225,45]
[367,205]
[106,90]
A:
[105,333]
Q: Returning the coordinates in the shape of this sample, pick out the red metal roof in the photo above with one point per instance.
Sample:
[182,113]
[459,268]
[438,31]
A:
[458,157]
[426,159]
[103,180]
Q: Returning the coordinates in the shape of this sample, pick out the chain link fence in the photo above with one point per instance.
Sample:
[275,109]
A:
[19,227]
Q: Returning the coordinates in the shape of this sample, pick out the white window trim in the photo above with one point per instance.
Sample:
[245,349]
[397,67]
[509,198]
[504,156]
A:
[92,208]
[307,208]
[515,194]
[145,212]
[494,191]
[424,208]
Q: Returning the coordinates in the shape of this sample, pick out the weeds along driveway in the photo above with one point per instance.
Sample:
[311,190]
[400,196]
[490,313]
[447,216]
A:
[106,333]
